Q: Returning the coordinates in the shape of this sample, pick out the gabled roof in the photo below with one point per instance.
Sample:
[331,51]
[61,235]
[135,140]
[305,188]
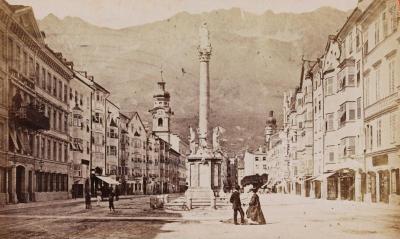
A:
[25,17]
[135,114]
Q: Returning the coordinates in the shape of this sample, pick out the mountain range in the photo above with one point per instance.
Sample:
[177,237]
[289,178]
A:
[255,58]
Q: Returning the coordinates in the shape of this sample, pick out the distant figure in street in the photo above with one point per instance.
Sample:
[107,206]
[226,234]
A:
[254,212]
[98,194]
[111,201]
[87,200]
[236,205]
[73,193]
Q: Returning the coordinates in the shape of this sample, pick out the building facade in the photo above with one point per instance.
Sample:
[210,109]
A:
[80,94]
[34,149]
[341,121]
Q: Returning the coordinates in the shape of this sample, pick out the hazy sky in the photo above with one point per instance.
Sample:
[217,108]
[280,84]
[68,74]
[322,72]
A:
[124,13]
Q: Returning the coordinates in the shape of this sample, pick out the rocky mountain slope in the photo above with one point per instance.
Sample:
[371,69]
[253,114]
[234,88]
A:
[255,58]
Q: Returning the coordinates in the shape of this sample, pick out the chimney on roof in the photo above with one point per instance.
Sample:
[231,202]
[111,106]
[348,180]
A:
[91,78]
[70,64]
[58,55]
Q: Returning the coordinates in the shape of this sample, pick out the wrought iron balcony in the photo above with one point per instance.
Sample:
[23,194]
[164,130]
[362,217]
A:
[31,117]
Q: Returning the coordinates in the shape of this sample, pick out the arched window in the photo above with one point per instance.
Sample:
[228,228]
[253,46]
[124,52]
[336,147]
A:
[160,122]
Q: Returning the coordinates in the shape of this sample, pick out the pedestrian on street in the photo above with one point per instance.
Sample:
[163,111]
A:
[111,201]
[87,200]
[236,205]
[98,194]
[73,193]
[254,212]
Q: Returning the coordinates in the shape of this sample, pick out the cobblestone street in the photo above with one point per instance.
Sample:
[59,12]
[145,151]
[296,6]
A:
[287,217]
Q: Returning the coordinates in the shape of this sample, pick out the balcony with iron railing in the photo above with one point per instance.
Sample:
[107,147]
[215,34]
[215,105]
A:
[29,82]
[30,116]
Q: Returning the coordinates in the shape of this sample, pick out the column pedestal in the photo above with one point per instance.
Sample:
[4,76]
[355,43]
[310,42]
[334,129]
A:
[202,175]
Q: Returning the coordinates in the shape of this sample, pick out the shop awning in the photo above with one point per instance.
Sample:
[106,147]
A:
[350,164]
[108,180]
[310,178]
[323,176]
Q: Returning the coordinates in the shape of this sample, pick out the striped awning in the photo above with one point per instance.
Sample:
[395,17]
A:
[108,180]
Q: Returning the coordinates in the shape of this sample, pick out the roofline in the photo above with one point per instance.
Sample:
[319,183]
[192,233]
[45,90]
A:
[78,76]
[350,18]
[107,100]
[100,87]
[124,115]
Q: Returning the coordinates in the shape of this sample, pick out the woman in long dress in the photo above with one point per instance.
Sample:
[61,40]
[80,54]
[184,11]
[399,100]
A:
[254,212]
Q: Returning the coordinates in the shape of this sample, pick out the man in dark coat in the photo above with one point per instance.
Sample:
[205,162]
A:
[236,205]
[87,200]
[111,201]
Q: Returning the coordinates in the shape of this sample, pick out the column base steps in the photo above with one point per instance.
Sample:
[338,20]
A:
[180,204]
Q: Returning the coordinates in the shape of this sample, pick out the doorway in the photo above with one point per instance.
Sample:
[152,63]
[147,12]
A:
[384,186]
[372,185]
[20,183]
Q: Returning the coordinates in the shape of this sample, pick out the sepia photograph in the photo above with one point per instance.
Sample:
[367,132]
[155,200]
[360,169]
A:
[192,119]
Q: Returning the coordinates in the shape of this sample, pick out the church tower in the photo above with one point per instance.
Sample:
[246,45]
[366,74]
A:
[161,111]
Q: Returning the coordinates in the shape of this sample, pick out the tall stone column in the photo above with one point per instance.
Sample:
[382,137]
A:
[204,84]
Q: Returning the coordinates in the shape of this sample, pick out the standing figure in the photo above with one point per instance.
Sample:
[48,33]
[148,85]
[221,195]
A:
[98,195]
[192,138]
[236,205]
[111,201]
[216,134]
[87,200]
[254,212]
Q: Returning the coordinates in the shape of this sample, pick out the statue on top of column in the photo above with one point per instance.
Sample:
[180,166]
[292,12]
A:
[204,36]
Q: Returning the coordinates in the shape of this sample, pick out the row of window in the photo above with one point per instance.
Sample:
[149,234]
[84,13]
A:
[348,111]
[50,149]
[23,62]
[111,150]
[263,158]
[51,182]
[377,88]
